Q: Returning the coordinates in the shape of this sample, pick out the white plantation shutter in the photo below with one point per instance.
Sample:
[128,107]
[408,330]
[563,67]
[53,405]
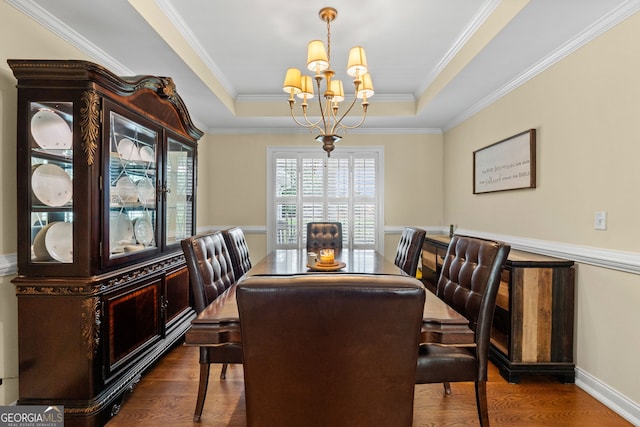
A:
[286,195]
[307,186]
[364,195]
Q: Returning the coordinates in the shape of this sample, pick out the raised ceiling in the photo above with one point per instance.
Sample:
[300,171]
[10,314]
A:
[433,62]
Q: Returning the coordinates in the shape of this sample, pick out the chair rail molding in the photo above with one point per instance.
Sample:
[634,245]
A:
[8,264]
[628,262]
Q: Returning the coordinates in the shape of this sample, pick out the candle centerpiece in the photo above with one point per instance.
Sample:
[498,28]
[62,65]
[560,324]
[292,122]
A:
[327,256]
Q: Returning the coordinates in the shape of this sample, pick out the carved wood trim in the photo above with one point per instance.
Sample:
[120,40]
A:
[90,123]
[91,325]
[57,290]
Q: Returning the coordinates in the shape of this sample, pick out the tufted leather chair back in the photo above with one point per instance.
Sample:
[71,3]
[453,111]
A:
[330,349]
[237,245]
[323,235]
[409,249]
[210,267]
[469,283]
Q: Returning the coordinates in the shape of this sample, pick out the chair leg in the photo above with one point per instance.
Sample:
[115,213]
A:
[481,402]
[223,372]
[202,391]
[447,388]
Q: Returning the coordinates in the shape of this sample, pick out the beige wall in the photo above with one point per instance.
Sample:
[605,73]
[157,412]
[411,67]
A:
[232,187]
[586,111]
[21,38]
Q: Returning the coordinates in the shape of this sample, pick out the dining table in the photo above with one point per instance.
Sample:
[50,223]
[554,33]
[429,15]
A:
[219,322]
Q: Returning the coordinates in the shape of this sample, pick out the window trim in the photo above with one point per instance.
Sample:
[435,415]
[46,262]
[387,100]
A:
[273,151]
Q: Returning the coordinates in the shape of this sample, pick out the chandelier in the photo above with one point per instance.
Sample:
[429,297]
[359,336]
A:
[330,124]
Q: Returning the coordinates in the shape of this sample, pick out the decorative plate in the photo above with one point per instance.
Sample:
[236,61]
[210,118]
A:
[39,247]
[120,231]
[127,190]
[143,231]
[128,149]
[59,241]
[147,154]
[146,191]
[51,131]
[51,185]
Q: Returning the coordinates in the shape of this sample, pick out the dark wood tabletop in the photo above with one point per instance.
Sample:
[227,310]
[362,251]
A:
[219,322]
[294,261]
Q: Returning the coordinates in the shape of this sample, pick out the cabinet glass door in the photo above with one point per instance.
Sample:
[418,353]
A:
[51,179]
[179,191]
[131,187]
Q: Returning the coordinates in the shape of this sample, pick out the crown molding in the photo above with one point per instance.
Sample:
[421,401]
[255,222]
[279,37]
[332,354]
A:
[294,131]
[476,22]
[44,18]
[619,14]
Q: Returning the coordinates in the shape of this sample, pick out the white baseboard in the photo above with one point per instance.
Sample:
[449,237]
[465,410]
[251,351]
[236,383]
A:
[609,397]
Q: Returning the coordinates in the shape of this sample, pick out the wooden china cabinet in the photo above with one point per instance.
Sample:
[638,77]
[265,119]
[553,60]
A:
[106,191]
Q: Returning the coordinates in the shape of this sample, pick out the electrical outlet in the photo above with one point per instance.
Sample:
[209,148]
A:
[600,221]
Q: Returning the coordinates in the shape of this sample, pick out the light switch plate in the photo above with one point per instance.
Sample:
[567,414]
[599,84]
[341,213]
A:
[600,222]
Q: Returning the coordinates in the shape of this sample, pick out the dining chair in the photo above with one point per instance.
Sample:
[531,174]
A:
[469,283]
[330,349]
[239,250]
[409,249]
[323,235]
[210,274]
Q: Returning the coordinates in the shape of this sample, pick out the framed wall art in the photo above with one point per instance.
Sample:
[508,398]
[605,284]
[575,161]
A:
[509,164]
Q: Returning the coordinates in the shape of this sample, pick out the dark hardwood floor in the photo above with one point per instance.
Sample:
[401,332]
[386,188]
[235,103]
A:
[166,396]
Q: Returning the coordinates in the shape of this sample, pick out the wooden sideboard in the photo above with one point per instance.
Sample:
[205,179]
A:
[533,322]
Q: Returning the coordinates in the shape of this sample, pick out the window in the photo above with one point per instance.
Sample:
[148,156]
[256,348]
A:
[305,185]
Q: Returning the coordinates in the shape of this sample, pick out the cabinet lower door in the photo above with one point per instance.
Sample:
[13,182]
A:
[133,322]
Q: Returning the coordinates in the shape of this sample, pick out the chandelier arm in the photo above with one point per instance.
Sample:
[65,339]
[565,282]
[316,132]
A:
[362,119]
[324,110]
[338,123]
[308,125]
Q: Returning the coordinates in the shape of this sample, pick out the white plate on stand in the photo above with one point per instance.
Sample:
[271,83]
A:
[147,154]
[51,185]
[120,231]
[146,192]
[128,149]
[51,131]
[59,241]
[143,231]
